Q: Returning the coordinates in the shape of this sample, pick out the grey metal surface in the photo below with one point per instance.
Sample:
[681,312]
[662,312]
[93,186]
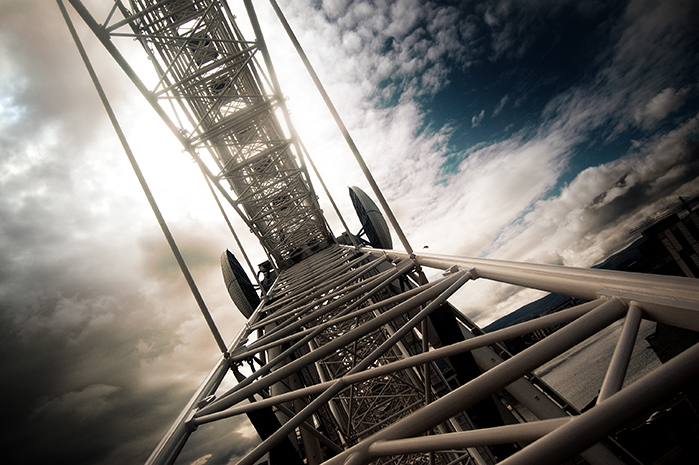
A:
[374,225]
[238,284]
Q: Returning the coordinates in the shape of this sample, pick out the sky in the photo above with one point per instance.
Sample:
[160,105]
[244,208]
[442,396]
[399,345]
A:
[540,131]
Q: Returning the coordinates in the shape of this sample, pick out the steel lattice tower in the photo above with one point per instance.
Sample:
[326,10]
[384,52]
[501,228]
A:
[353,356]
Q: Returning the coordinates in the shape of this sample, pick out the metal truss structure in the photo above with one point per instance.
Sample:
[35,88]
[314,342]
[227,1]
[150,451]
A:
[352,356]
[208,74]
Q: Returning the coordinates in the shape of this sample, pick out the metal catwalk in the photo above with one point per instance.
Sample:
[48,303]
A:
[352,356]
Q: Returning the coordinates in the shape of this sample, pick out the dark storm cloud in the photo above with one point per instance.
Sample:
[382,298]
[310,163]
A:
[49,118]
[220,443]
[94,321]
[44,81]
[197,250]
[69,369]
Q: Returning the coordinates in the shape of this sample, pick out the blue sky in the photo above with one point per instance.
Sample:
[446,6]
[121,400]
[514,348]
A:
[537,131]
[497,95]
[541,131]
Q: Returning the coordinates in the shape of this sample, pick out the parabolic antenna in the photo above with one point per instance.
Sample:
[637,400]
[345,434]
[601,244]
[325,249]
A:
[373,222]
[238,284]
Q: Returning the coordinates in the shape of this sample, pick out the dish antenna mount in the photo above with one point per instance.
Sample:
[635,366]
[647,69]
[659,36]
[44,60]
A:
[373,223]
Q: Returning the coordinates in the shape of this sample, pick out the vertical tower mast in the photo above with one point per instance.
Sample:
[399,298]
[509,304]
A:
[208,71]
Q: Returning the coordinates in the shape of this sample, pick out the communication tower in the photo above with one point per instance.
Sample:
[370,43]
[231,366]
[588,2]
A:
[349,354]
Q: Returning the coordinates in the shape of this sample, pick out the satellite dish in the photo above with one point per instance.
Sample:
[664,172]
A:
[238,284]
[373,223]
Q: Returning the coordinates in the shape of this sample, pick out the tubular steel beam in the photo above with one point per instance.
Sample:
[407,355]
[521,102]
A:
[614,378]
[485,340]
[104,38]
[259,36]
[338,343]
[604,418]
[193,74]
[493,380]
[523,432]
[144,185]
[667,299]
[454,284]
[304,304]
[254,348]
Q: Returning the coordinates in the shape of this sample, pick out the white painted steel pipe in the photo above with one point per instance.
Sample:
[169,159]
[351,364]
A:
[454,283]
[343,129]
[314,288]
[308,358]
[523,432]
[302,333]
[616,372]
[484,340]
[491,381]
[349,293]
[668,299]
[538,403]
[233,397]
[586,429]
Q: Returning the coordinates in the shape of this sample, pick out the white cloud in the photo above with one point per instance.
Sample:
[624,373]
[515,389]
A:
[248,432]
[664,103]
[72,316]
[202,460]
[594,215]
[476,120]
[487,301]
[501,104]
